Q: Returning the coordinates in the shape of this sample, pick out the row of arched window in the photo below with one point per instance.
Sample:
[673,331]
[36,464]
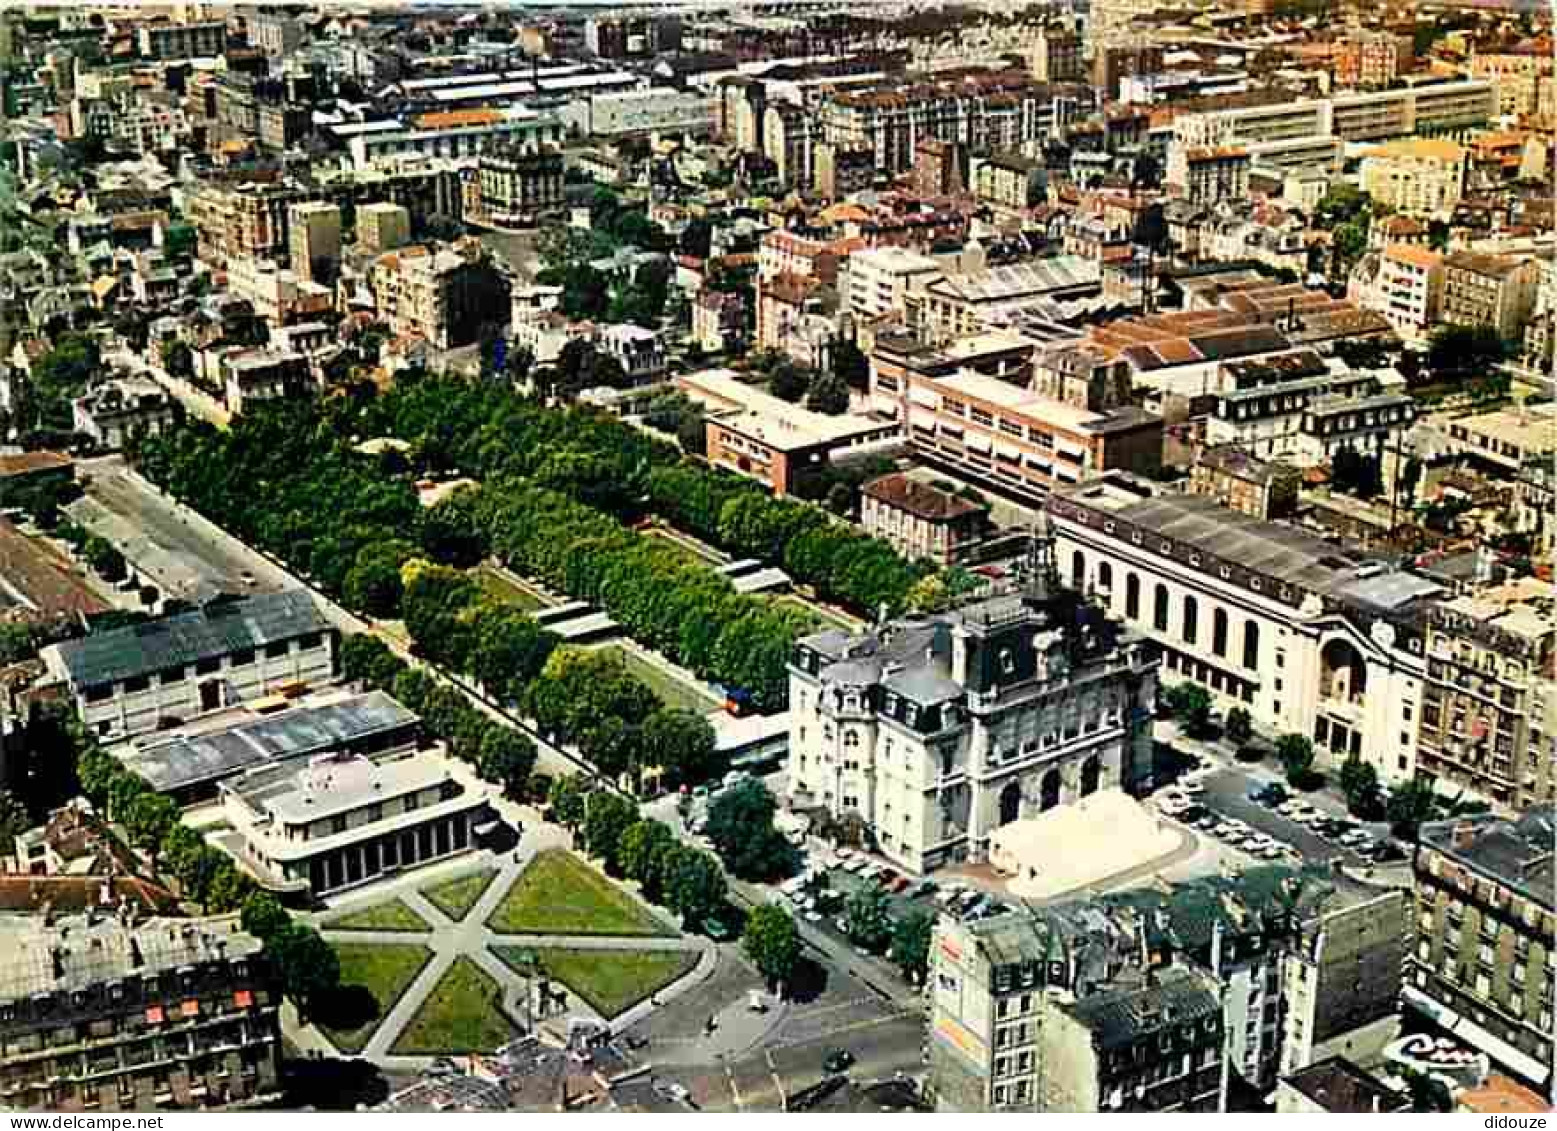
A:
[1189,611]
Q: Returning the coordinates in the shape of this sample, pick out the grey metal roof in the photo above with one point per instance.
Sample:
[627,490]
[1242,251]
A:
[1280,552]
[1516,853]
[175,761]
[1391,590]
[215,630]
[925,685]
[1120,1017]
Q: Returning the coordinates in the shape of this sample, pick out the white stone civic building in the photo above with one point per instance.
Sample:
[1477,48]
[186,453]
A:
[937,731]
[1307,636]
[345,819]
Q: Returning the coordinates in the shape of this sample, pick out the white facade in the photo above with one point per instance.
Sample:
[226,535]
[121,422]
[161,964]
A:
[941,731]
[345,819]
[640,352]
[1263,616]
[457,134]
[881,277]
[134,680]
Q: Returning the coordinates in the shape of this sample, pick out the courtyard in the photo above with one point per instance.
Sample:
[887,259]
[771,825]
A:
[444,964]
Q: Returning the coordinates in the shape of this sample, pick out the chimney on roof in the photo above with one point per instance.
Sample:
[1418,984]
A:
[1463,836]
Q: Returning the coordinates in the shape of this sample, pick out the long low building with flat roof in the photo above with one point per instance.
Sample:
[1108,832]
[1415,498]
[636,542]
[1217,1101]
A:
[190,762]
[344,819]
[763,437]
[968,406]
[148,676]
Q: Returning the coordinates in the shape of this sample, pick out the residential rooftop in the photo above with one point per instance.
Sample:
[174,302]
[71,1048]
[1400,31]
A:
[1517,854]
[1337,1085]
[77,953]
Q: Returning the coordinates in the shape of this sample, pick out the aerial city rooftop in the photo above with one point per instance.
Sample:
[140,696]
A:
[778,557]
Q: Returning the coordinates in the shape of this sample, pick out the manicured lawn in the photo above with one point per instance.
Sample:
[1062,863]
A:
[683,551]
[558,894]
[456,897]
[373,976]
[824,618]
[391,916]
[499,587]
[673,692]
[461,1015]
[612,982]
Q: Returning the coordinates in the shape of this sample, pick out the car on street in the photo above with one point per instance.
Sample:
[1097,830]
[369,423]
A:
[1271,795]
[838,1061]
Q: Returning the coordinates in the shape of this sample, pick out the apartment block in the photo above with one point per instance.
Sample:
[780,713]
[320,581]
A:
[1207,175]
[1484,965]
[1490,290]
[99,1013]
[517,186]
[1489,713]
[383,227]
[1404,283]
[1371,59]
[246,220]
[204,39]
[314,236]
[880,279]
[1004,111]
[1422,176]
[1260,488]
[445,294]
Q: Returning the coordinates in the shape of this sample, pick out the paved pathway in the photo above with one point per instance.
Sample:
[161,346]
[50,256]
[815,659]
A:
[471,937]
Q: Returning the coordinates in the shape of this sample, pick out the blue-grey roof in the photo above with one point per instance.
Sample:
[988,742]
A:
[174,761]
[212,631]
[1120,1017]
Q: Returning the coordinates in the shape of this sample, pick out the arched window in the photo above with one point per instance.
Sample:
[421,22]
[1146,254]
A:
[1160,608]
[1090,773]
[1191,619]
[1078,572]
[1049,791]
[1251,644]
[1105,577]
[1219,632]
[1132,596]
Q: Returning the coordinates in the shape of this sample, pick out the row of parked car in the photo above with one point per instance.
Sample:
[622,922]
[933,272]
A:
[1341,830]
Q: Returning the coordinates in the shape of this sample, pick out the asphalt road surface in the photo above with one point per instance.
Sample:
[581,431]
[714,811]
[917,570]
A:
[173,539]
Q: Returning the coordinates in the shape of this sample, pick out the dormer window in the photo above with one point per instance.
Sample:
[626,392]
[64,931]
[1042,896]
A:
[913,714]
[1007,662]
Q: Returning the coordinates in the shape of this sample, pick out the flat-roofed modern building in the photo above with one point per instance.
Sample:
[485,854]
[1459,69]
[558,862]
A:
[343,819]
[144,677]
[970,406]
[190,762]
[754,433]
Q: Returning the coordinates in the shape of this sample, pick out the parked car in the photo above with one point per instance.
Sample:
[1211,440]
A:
[838,1061]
